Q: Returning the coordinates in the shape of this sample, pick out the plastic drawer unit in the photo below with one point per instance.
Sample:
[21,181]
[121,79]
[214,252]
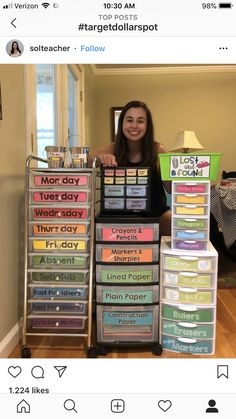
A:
[136,324]
[190,215]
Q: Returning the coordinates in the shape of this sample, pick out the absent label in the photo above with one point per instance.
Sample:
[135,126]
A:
[72,261]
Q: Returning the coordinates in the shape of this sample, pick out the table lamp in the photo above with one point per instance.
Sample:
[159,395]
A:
[186,141]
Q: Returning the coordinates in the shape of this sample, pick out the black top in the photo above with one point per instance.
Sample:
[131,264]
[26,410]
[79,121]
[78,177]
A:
[158,196]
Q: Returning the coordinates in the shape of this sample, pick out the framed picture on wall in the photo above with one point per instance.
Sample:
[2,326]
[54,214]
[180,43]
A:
[115,113]
[0,103]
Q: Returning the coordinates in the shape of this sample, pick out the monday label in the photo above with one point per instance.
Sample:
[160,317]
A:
[59,180]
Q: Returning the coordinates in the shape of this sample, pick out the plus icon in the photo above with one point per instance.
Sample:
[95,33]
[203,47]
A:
[117,405]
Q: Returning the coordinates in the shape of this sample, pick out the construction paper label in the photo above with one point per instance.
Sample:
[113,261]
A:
[136,204]
[198,332]
[181,223]
[80,213]
[114,190]
[72,261]
[127,234]
[199,188]
[197,235]
[188,265]
[189,166]
[115,275]
[127,297]
[59,244]
[194,280]
[197,315]
[60,196]
[57,180]
[58,276]
[198,297]
[44,229]
[204,347]
[59,307]
[54,293]
[48,323]
[136,191]
[128,318]
[127,255]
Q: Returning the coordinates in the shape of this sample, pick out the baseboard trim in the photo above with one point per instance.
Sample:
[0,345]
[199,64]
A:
[11,340]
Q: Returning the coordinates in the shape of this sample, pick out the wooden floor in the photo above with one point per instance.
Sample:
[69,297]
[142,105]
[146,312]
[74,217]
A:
[60,347]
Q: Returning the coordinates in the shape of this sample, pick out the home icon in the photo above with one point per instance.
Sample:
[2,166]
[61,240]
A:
[23,407]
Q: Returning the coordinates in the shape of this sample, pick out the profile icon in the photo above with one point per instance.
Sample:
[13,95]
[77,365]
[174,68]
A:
[212,408]
[14,48]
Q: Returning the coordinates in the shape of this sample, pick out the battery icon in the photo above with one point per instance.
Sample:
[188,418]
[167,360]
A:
[225,5]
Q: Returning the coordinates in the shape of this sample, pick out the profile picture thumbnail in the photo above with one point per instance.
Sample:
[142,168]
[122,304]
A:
[15,48]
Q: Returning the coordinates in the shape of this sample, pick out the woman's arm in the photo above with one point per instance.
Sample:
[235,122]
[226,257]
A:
[105,155]
[161,150]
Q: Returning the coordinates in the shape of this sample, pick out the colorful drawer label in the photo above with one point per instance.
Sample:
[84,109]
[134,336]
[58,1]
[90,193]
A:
[72,261]
[60,196]
[127,255]
[44,229]
[59,307]
[115,275]
[190,223]
[60,245]
[54,323]
[191,234]
[128,318]
[187,264]
[186,199]
[114,203]
[188,210]
[127,234]
[127,296]
[193,314]
[57,180]
[54,293]
[188,330]
[136,204]
[187,279]
[80,213]
[198,348]
[186,166]
[190,245]
[58,276]
[136,191]
[188,297]
[188,188]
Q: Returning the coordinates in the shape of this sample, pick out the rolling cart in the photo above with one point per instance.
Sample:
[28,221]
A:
[59,252]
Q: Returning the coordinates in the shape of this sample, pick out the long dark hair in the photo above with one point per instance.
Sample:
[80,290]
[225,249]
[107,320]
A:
[147,145]
[17,47]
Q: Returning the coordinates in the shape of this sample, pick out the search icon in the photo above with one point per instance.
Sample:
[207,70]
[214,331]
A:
[69,404]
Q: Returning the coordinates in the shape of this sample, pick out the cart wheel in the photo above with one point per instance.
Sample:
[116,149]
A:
[25,352]
[157,349]
[92,353]
[102,350]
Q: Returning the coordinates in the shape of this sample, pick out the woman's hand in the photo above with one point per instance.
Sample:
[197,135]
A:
[107,159]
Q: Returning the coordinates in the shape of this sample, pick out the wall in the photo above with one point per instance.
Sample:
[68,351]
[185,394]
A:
[12,158]
[203,102]
[89,105]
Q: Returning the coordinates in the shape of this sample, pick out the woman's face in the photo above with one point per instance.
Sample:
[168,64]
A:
[15,45]
[135,124]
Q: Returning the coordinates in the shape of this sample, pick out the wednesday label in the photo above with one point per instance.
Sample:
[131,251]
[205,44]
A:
[80,213]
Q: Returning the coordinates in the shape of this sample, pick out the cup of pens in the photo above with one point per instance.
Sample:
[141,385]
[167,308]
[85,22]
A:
[79,156]
[55,156]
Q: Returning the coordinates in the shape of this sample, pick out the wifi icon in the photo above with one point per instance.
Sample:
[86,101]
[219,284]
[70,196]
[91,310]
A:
[45,5]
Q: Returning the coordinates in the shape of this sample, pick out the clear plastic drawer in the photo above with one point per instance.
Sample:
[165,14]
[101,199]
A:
[186,345]
[127,233]
[187,330]
[190,263]
[189,279]
[191,223]
[127,324]
[127,274]
[127,295]
[190,209]
[191,187]
[190,199]
[188,313]
[188,295]
[57,322]
[190,245]
[127,253]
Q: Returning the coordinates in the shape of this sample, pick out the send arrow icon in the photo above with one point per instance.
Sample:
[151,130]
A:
[60,370]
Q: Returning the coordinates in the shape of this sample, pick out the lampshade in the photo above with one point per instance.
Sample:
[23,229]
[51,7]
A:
[186,141]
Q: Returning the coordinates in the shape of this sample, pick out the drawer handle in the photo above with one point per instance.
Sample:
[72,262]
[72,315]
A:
[187,325]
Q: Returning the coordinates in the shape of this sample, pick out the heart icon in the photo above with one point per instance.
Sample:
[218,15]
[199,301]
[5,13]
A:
[14,371]
[164,405]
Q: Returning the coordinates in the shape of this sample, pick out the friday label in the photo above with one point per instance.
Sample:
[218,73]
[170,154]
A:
[59,244]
